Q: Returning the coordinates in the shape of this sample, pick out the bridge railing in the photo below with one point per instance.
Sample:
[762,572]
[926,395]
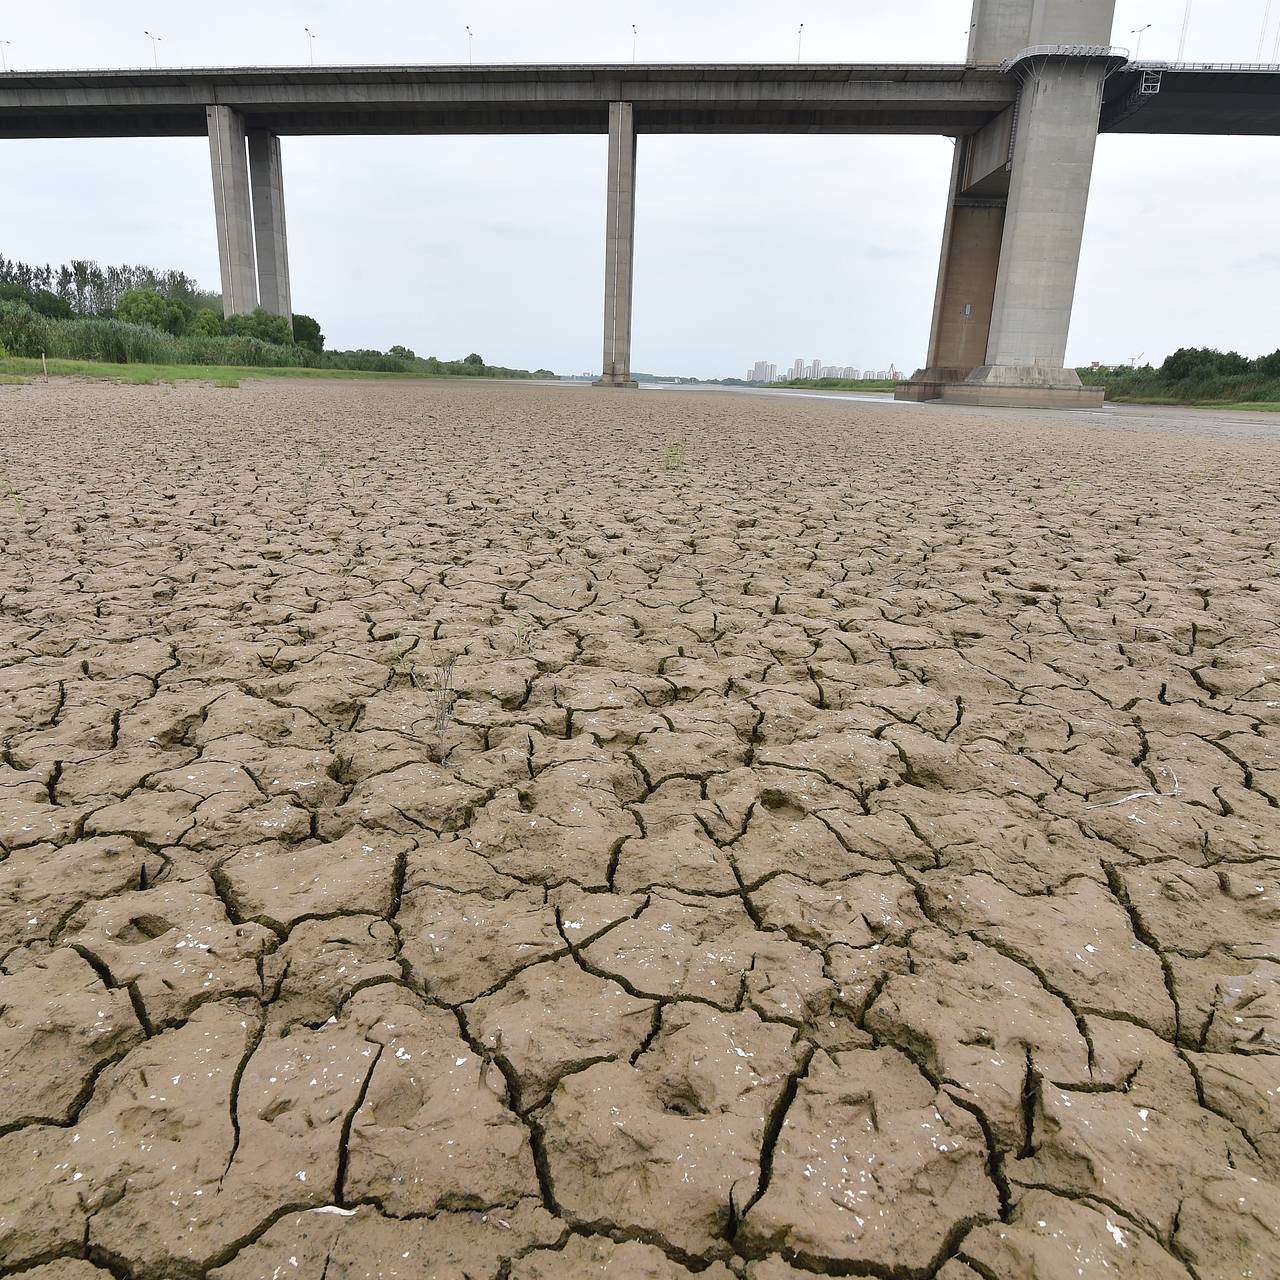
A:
[1271,67]
[1064,51]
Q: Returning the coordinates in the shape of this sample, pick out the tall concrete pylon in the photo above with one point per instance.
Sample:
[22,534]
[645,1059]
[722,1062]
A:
[248,202]
[620,245]
[266,179]
[1015,216]
[232,210]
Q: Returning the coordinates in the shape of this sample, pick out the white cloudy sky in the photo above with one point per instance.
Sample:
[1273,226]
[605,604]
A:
[747,248]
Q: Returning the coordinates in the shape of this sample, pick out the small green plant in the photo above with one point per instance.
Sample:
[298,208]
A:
[522,638]
[673,456]
[7,490]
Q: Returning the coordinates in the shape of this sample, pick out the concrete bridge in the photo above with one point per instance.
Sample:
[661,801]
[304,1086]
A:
[1039,82]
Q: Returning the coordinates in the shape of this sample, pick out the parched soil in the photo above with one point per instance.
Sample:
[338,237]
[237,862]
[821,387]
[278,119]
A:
[455,831]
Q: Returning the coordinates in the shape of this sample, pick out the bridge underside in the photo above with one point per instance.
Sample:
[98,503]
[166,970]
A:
[190,123]
[1156,98]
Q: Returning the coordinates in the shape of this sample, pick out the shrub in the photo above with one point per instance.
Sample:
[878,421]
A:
[261,324]
[370,361]
[22,331]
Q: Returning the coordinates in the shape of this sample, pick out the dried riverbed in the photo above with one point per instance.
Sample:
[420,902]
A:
[522,832]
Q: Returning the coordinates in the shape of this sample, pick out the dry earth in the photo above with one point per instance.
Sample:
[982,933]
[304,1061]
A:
[444,832]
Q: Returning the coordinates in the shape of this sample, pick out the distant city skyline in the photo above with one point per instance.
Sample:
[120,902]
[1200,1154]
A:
[813,370]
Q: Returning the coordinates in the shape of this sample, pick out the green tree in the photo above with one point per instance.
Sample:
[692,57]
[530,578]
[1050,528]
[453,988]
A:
[474,360]
[306,332]
[146,306]
[41,301]
[207,323]
[1202,362]
[401,353]
[1269,365]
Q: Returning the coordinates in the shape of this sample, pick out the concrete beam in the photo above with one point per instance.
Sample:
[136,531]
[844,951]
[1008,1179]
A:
[267,181]
[232,210]
[620,240]
[922,98]
[989,157]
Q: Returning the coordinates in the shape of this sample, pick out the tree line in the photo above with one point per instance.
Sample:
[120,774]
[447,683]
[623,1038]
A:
[1195,374]
[131,315]
[83,288]
[170,301]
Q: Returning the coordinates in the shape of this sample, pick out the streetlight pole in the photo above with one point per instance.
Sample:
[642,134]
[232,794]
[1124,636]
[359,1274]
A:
[155,40]
[1139,32]
[311,44]
[1186,23]
[470,38]
[799,41]
[4,62]
[633,42]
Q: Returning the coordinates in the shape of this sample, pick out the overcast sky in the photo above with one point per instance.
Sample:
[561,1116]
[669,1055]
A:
[747,247]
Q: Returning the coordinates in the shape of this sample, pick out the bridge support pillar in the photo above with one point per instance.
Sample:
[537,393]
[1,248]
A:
[619,242]
[232,210]
[1015,218]
[966,285]
[1057,135]
[267,181]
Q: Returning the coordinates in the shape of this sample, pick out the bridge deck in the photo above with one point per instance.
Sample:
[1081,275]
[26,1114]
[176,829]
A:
[937,99]
[1194,99]
[925,98]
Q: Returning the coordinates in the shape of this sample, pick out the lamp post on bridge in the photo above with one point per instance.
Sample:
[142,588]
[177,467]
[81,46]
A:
[634,37]
[4,62]
[470,38]
[1139,32]
[155,41]
[799,41]
[311,44]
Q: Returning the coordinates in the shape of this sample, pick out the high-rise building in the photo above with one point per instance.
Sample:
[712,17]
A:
[763,371]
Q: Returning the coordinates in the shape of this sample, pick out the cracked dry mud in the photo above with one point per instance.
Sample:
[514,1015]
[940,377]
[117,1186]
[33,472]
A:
[437,839]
